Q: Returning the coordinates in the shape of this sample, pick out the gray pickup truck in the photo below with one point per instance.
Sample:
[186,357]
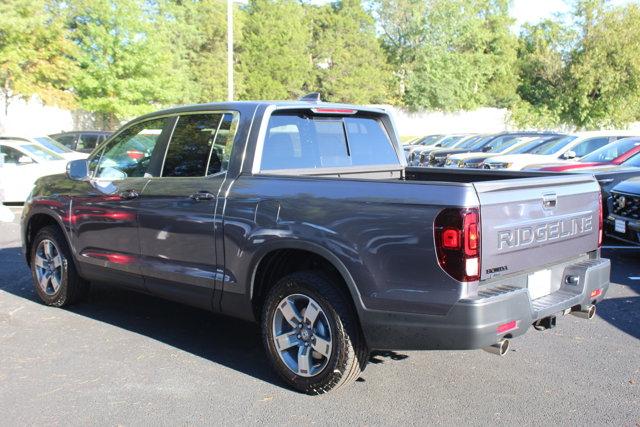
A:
[303,217]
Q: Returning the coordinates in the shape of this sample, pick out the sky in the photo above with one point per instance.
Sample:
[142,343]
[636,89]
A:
[534,11]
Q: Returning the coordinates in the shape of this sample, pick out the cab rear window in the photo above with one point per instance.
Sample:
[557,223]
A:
[307,141]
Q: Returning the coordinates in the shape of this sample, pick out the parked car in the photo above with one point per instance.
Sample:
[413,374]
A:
[623,221]
[609,176]
[506,146]
[270,226]
[569,148]
[82,141]
[427,140]
[447,143]
[22,163]
[614,153]
[444,141]
[515,146]
[439,158]
[48,143]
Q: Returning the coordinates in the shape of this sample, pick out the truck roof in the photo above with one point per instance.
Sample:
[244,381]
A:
[244,105]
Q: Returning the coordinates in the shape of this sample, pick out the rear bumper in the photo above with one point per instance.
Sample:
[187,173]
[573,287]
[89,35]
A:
[473,323]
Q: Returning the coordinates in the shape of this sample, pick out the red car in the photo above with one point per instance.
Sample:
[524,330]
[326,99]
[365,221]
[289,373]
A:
[611,154]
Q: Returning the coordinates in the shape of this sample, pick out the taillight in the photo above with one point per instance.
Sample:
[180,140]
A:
[600,220]
[457,239]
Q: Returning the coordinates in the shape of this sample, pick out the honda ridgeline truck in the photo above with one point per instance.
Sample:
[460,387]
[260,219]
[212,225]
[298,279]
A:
[303,217]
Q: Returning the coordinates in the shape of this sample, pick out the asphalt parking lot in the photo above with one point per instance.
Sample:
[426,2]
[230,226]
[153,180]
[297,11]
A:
[126,359]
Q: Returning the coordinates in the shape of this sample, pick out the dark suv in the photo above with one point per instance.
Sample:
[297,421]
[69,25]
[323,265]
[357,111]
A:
[82,141]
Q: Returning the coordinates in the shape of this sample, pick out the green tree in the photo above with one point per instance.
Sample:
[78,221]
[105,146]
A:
[467,57]
[604,72]
[275,59]
[35,56]
[350,63]
[127,61]
[199,35]
[402,25]
[543,54]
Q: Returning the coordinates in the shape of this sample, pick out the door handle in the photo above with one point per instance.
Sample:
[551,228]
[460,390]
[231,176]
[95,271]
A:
[129,194]
[605,181]
[202,195]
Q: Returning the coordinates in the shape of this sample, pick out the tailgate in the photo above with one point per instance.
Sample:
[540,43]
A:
[530,222]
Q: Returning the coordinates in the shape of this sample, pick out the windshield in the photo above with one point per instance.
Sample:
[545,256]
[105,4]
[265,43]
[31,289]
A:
[40,153]
[428,140]
[611,151]
[53,145]
[531,145]
[472,142]
[552,146]
[450,140]
[633,161]
[503,145]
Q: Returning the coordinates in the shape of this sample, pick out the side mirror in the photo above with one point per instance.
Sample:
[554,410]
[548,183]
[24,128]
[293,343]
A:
[438,144]
[569,155]
[78,170]
[25,160]
[487,148]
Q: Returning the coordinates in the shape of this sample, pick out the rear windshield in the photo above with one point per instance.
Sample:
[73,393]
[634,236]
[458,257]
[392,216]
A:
[305,141]
[611,151]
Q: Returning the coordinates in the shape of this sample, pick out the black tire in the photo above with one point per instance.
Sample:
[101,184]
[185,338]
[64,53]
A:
[348,355]
[72,287]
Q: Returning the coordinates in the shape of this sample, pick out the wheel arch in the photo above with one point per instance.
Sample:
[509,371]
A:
[268,257]
[36,222]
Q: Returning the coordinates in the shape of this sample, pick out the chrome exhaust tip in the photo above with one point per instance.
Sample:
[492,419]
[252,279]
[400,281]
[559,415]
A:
[585,312]
[500,348]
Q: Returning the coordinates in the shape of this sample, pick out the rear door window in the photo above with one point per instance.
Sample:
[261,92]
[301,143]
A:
[306,141]
[67,140]
[87,142]
[200,145]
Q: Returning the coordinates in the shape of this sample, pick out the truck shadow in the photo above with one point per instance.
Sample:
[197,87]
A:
[230,342]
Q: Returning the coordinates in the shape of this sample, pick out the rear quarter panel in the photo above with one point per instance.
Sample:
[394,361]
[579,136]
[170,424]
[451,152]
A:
[381,232]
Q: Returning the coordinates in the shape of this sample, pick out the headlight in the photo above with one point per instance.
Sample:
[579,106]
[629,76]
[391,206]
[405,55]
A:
[460,163]
[448,162]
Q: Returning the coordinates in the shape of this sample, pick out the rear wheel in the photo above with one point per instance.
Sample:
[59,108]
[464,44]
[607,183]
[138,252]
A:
[311,334]
[54,275]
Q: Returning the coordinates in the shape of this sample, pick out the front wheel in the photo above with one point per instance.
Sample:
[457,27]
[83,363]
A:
[311,334]
[55,277]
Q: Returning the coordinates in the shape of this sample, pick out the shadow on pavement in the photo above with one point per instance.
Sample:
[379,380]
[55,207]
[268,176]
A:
[230,342]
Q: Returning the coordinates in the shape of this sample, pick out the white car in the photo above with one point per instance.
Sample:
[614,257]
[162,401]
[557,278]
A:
[50,144]
[563,150]
[21,163]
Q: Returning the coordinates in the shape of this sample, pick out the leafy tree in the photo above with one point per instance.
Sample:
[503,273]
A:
[543,55]
[275,58]
[466,58]
[402,26]
[35,57]
[126,59]
[199,35]
[350,63]
[604,73]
